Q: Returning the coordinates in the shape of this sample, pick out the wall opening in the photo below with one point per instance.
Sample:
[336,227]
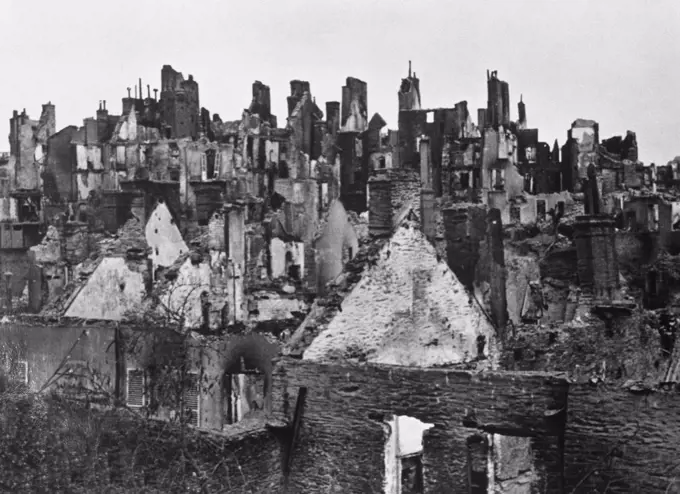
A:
[283,169]
[404,472]
[210,164]
[540,209]
[464,180]
[477,451]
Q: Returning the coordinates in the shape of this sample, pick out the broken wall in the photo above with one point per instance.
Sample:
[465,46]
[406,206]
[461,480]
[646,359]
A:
[337,238]
[341,444]
[115,288]
[44,349]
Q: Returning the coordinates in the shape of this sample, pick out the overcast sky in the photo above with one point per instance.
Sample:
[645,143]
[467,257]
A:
[615,61]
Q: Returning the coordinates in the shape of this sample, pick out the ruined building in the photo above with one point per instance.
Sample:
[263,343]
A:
[445,307]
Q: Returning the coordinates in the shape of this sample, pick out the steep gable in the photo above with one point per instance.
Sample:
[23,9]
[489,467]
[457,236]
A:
[113,289]
[407,308]
[163,237]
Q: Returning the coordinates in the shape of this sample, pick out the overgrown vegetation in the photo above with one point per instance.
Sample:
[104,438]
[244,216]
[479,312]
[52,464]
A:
[50,444]
[60,440]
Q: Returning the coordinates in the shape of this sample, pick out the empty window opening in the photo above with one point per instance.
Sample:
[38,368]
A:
[404,455]
[244,393]
[292,269]
[476,180]
[464,180]
[631,220]
[210,163]
[249,148]
[515,214]
[381,162]
[478,464]
[283,169]
[540,209]
[262,154]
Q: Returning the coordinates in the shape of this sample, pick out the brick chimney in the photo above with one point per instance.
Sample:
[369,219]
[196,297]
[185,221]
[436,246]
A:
[379,206]
[427,213]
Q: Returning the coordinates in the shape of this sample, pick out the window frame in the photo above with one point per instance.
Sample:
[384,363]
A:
[185,400]
[128,371]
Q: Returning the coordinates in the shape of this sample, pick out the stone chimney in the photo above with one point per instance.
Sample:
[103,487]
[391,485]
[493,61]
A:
[333,117]
[597,266]
[235,234]
[427,213]
[425,163]
[497,274]
[595,245]
[379,206]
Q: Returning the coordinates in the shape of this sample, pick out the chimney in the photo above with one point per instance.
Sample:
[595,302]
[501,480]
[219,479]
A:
[522,113]
[333,116]
[481,118]
[427,213]
[425,166]
[597,262]
[497,275]
[409,69]
[379,206]
[155,94]
[141,93]
[148,91]
[234,231]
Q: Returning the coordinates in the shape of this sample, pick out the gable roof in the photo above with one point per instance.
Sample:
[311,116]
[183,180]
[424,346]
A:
[129,237]
[395,303]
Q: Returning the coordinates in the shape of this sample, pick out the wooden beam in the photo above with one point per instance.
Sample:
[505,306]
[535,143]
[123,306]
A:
[295,431]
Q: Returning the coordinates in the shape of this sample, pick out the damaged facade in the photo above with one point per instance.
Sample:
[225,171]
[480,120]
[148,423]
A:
[422,295]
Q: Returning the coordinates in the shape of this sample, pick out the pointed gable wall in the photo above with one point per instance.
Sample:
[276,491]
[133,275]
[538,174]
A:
[164,238]
[111,290]
[407,309]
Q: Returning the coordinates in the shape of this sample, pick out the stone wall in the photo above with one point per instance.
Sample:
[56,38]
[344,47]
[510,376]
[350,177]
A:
[343,432]
[629,439]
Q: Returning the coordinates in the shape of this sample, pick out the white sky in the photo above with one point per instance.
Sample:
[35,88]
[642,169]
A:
[614,61]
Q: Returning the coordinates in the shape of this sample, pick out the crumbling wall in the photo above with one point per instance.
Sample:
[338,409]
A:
[114,289]
[342,439]
[163,237]
[424,317]
[28,141]
[44,348]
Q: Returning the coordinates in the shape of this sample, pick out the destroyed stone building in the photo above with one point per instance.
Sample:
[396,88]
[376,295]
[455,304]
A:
[448,306]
